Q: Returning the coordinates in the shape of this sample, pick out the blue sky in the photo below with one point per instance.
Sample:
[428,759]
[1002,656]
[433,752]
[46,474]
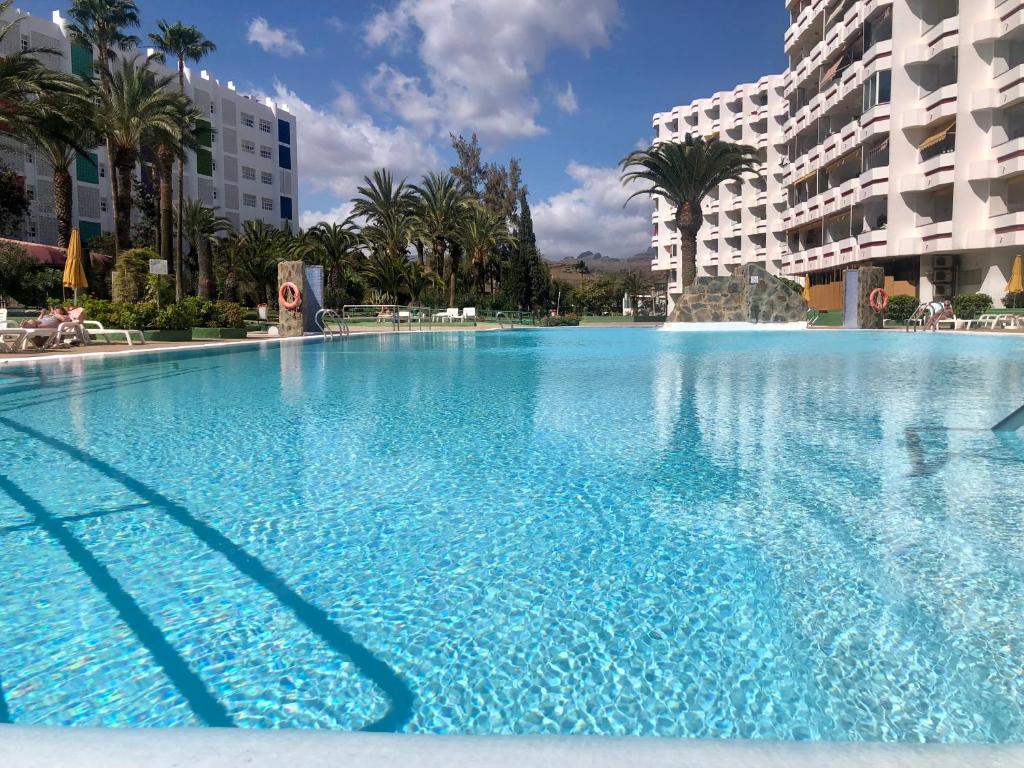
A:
[568,86]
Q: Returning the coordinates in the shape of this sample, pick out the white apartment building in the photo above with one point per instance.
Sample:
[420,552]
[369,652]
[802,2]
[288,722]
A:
[742,220]
[902,145]
[248,170]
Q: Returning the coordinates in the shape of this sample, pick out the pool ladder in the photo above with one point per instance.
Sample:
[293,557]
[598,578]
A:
[323,319]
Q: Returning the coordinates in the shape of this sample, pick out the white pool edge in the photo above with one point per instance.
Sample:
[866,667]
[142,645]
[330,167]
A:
[39,747]
[732,327]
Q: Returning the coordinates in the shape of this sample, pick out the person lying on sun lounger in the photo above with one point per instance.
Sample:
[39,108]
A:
[47,319]
[943,311]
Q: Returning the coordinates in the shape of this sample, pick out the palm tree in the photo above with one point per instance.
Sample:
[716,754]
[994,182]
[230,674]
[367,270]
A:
[380,197]
[389,234]
[24,78]
[257,249]
[441,210]
[185,44]
[64,129]
[138,104]
[684,173]
[419,280]
[388,273]
[101,25]
[482,235]
[201,226]
[337,248]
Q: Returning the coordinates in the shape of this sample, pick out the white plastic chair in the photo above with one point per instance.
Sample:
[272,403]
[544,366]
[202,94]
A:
[468,315]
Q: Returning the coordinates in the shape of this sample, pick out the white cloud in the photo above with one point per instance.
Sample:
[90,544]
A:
[591,217]
[274,40]
[566,100]
[480,58]
[335,215]
[341,144]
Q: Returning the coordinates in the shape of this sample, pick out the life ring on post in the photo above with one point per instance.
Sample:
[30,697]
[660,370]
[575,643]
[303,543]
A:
[879,300]
[292,303]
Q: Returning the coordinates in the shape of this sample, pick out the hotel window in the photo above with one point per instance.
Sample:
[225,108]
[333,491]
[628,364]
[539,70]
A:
[103,171]
[249,201]
[32,228]
[266,153]
[878,89]
[103,205]
[266,177]
[265,126]
[268,204]
[248,146]
[213,109]
[249,174]
[248,120]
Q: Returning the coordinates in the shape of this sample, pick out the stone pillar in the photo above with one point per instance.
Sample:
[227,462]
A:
[869,279]
[291,322]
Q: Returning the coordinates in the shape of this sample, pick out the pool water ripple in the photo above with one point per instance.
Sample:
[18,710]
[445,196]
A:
[792,536]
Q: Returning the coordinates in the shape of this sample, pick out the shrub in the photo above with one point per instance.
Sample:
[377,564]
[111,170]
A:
[559,320]
[1014,300]
[793,285]
[130,278]
[120,314]
[176,317]
[968,306]
[901,307]
[227,314]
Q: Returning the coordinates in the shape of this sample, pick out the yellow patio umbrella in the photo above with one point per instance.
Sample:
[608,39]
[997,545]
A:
[74,272]
[807,290]
[1016,284]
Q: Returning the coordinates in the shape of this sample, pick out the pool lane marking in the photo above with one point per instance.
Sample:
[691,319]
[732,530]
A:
[315,619]
[188,683]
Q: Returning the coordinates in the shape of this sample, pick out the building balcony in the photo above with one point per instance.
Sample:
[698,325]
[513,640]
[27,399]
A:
[760,197]
[937,105]
[840,198]
[840,34]
[1009,162]
[944,36]
[1009,23]
[875,121]
[876,58]
[710,205]
[873,244]
[929,238]
[1008,91]
[932,174]
[803,24]
[1003,231]
[841,142]
[874,184]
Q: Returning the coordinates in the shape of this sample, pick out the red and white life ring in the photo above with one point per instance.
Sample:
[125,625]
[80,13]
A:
[879,300]
[292,303]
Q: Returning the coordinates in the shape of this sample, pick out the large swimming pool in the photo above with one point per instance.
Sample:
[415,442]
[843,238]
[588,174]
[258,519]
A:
[785,536]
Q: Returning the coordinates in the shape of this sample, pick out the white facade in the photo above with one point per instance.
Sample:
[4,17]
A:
[249,171]
[741,219]
[901,145]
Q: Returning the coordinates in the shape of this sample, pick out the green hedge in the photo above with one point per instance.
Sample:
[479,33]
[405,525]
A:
[559,321]
[901,307]
[1014,300]
[969,306]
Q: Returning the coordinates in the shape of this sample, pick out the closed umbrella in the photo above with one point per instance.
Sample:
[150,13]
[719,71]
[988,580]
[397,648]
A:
[1016,284]
[807,290]
[74,272]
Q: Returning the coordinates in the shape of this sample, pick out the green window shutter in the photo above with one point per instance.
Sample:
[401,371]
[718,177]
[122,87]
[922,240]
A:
[204,162]
[81,60]
[204,133]
[87,168]
[87,230]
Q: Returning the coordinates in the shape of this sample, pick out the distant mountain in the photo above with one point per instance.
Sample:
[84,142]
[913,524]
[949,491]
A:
[602,265]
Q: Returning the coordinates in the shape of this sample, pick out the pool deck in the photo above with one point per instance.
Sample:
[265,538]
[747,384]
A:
[27,747]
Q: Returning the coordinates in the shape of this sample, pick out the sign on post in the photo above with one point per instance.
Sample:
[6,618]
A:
[158,266]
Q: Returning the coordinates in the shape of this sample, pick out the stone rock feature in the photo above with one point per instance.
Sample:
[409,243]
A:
[291,323]
[751,295]
[870,279]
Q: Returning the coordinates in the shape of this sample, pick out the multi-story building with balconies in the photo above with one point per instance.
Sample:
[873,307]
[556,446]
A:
[247,169]
[741,219]
[901,145]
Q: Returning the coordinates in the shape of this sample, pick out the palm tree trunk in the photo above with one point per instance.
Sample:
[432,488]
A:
[165,169]
[124,207]
[205,271]
[420,252]
[181,196]
[62,203]
[689,219]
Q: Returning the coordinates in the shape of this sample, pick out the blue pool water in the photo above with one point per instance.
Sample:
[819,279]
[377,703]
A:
[786,536]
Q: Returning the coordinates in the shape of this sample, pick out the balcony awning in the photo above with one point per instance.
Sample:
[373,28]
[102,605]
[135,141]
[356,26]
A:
[938,136]
[713,135]
[805,177]
[882,146]
[831,72]
[842,159]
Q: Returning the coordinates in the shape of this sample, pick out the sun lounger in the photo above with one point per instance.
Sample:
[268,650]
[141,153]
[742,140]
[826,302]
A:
[448,316]
[468,315]
[11,339]
[95,328]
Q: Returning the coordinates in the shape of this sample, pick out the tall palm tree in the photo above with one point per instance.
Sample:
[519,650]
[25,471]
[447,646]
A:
[24,78]
[185,44]
[482,235]
[201,225]
[65,128]
[137,104]
[388,273]
[389,234]
[102,25]
[442,208]
[338,249]
[684,173]
[256,251]
[380,196]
